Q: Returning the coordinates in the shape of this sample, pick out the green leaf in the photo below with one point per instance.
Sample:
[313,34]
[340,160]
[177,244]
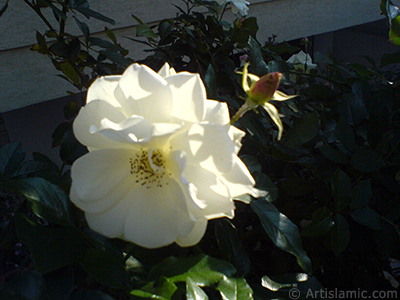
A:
[111,35]
[51,248]
[257,63]
[367,160]
[362,194]
[106,267]
[102,43]
[70,72]
[194,292]
[116,58]
[367,217]
[70,110]
[353,108]
[394,32]
[4,8]
[144,30]
[57,12]
[231,246]
[340,234]
[235,289]
[341,189]
[303,130]
[12,156]
[322,223]
[41,45]
[202,269]
[87,12]
[390,58]
[83,27]
[90,295]
[48,201]
[162,288]
[332,154]
[283,233]
[59,132]
[345,134]
[264,184]
[28,285]
[251,163]
[59,284]
[296,186]
[210,81]
[60,49]
[284,285]
[146,295]
[273,285]
[71,149]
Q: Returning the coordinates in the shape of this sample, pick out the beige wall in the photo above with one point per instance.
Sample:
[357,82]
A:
[27,77]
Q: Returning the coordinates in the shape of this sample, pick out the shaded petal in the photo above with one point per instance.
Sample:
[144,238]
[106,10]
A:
[134,129]
[100,171]
[92,115]
[194,236]
[274,114]
[189,95]
[208,145]
[105,88]
[238,180]
[147,93]
[102,204]
[212,191]
[216,112]
[111,222]
[157,216]
[177,166]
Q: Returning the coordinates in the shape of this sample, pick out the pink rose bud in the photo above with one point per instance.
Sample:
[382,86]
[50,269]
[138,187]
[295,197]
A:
[264,89]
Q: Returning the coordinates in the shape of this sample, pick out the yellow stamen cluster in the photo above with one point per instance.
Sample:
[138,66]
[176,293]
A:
[148,167]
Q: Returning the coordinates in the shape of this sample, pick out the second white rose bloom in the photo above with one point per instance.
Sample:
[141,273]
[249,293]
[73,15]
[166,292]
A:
[239,7]
[162,158]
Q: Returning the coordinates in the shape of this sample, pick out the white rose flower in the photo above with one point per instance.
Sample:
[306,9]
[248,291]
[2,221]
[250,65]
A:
[302,61]
[162,158]
[239,7]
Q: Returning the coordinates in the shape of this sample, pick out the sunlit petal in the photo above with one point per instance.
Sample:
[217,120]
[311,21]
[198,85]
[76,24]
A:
[238,179]
[92,115]
[147,93]
[274,114]
[216,112]
[105,88]
[186,86]
[210,186]
[281,96]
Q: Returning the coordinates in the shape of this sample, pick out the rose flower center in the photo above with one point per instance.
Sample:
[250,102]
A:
[148,168]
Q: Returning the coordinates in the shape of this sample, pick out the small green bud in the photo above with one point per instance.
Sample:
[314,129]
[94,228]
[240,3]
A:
[264,89]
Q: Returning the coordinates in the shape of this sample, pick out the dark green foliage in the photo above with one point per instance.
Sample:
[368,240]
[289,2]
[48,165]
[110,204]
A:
[327,196]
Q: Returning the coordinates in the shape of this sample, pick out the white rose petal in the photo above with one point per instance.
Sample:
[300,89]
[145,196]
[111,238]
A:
[239,7]
[162,158]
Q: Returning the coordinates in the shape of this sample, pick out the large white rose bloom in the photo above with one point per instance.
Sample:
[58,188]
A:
[162,158]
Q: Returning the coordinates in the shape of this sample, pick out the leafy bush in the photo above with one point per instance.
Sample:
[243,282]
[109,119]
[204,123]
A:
[326,209]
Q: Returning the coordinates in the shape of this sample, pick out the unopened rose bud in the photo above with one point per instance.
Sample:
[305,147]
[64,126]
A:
[264,89]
